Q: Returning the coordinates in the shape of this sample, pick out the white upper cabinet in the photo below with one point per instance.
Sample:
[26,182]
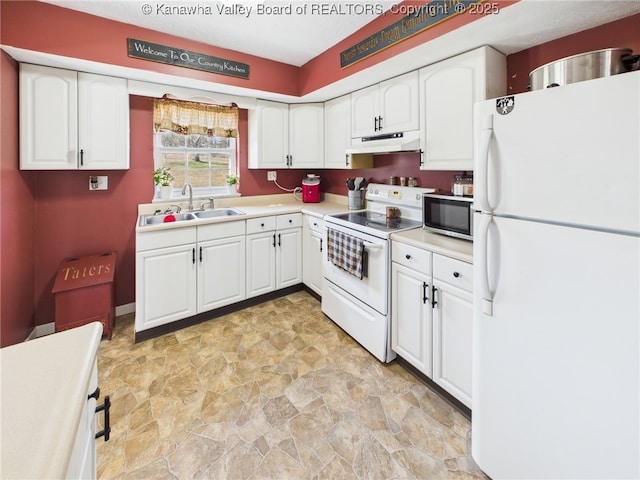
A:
[103,118]
[71,120]
[337,136]
[286,136]
[306,135]
[448,90]
[388,107]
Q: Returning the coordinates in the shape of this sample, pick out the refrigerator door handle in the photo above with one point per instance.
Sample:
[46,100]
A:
[485,289]
[486,134]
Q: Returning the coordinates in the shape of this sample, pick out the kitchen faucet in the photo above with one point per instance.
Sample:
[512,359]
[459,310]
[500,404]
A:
[209,202]
[184,190]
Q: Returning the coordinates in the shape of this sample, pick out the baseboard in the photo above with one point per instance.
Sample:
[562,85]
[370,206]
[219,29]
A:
[49,328]
[42,330]
[125,309]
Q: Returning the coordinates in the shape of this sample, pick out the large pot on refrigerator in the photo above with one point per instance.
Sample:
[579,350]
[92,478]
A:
[584,66]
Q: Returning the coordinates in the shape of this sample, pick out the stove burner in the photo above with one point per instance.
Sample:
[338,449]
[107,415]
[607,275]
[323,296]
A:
[378,221]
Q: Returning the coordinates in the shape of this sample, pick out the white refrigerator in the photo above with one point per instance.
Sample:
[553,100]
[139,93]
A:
[556,337]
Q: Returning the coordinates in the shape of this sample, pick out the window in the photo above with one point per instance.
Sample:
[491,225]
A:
[197,143]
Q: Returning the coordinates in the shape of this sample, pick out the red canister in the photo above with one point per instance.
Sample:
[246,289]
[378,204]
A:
[311,189]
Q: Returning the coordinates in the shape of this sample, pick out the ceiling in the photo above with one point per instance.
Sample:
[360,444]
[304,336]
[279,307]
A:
[274,30]
[295,39]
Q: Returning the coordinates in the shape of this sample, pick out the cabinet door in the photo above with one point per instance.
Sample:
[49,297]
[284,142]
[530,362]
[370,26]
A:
[165,285]
[288,257]
[337,129]
[306,135]
[399,104]
[261,260]
[103,116]
[448,91]
[312,245]
[452,346]
[48,118]
[364,111]
[221,272]
[269,135]
[411,322]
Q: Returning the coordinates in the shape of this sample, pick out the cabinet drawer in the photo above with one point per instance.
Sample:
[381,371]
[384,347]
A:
[291,220]
[165,238]
[315,223]
[453,272]
[261,224]
[220,230]
[412,257]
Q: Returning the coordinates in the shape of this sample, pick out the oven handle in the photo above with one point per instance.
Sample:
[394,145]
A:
[373,245]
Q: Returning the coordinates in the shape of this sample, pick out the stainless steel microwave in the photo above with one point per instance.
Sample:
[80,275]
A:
[448,215]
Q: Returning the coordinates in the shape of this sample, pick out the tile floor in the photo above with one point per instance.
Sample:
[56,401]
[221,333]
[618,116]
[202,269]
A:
[274,391]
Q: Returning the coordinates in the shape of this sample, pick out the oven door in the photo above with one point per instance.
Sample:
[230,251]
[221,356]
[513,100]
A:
[372,288]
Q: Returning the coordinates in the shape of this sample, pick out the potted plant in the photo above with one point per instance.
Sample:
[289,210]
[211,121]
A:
[232,182]
[162,178]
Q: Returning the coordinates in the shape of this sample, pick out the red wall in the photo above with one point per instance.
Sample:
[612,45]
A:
[47,216]
[624,33]
[17,214]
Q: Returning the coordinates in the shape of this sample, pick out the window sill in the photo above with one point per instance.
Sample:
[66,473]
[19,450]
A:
[177,197]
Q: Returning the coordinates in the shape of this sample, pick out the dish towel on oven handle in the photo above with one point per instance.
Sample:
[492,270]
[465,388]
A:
[345,251]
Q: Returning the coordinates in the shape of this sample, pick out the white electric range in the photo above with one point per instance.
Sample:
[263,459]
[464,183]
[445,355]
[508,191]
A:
[361,306]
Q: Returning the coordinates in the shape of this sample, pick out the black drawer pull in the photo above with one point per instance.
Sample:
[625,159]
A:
[105,407]
[407,256]
[456,274]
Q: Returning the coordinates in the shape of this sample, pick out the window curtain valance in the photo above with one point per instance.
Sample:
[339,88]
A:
[192,117]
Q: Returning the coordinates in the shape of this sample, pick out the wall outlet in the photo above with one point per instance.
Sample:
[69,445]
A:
[100,182]
[272,176]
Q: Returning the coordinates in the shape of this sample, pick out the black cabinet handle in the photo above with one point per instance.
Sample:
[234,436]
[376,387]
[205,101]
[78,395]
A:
[200,254]
[274,240]
[321,244]
[95,395]
[407,256]
[81,157]
[456,274]
[105,407]
[279,244]
[425,289]
[193,255]
[433,297]
[375,124]
[290,220]
[379,123]
[262,225]
[346,159]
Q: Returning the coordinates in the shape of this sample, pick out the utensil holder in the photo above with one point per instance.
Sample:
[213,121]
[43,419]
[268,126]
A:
[355,199]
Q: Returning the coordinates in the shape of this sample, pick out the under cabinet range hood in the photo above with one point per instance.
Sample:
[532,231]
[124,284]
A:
[386,143]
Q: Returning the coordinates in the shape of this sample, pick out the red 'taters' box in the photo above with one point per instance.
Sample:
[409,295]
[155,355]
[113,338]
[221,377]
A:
[84,292]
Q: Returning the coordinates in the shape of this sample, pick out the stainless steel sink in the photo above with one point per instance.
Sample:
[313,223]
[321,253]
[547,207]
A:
[218,212]
[157,219]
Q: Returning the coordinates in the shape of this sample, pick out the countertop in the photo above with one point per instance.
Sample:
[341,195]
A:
[255,206]
[43,392]
[449,246]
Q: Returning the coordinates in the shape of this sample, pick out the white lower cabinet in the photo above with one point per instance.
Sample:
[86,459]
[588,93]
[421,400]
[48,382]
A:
[274,253]
[453,326]
[432,315]
[221,265]
[178,276]
[83,461]
[312,245]
[411,317]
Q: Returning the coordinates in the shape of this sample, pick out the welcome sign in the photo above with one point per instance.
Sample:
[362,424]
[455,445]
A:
[185,58]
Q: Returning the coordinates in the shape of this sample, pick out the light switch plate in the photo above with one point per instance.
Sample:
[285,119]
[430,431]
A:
[98,182]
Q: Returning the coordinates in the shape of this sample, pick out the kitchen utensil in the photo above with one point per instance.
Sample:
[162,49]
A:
[351,183]
[584,66]
[358,183]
